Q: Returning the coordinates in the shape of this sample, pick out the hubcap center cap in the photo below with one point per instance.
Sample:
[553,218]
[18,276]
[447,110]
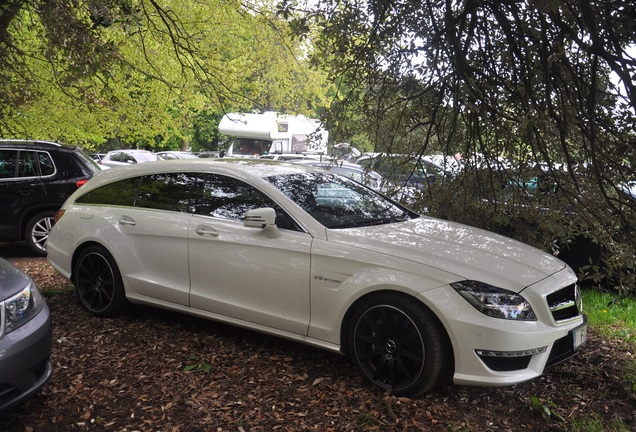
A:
[390,346]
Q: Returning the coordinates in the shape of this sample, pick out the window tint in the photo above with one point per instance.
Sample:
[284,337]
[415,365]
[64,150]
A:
[46,164]
[229,198]
[179,192]
[121,193]
[203,194]
[338,202]
[27,164]
[7,163]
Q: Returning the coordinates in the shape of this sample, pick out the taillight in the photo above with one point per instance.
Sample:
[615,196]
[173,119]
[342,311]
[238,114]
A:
[59,215]
[81,182]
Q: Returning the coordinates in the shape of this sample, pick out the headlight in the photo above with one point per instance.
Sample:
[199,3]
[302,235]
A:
[495,302]
[21,307]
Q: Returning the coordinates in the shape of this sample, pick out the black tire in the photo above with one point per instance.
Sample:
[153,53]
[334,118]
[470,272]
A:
[37,232]
[99,284]
[397,344]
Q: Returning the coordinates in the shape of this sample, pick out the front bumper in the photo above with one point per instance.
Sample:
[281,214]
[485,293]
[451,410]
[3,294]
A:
[497,352]
[25,365]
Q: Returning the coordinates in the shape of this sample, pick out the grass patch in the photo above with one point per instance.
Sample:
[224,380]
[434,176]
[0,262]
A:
[610,316]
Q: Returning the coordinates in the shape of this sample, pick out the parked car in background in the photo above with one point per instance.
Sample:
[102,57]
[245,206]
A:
[97,157]
[25,337]
[353,171]
[403,170]
[209,154]
[117,158]
[36,177]
[313,256]
[170,155]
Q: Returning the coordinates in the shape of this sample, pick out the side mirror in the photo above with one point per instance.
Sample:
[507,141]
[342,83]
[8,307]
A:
[264,218]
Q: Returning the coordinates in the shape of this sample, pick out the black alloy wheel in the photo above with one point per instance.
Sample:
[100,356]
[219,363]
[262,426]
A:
[99,284]
[397,344]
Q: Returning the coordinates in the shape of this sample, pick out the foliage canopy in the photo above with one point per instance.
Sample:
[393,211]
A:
[545,83]
[141,72]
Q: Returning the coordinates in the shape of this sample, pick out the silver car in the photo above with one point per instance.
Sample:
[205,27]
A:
[116,158]
[25,337]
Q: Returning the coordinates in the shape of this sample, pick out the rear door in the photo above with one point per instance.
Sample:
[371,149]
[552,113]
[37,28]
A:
[147,225]
[21,189]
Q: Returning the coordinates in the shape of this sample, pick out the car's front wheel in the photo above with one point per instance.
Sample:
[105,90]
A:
[37,232]
[397,344]
[98,282]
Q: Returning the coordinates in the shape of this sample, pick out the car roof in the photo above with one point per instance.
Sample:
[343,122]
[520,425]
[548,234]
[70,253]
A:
[34,143]
[242,168]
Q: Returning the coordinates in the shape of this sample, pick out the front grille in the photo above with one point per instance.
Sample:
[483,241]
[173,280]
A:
[565,304]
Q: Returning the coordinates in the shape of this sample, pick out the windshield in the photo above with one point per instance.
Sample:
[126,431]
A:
[338,202]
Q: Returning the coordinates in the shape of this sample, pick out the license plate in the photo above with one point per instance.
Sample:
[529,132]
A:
[579,336]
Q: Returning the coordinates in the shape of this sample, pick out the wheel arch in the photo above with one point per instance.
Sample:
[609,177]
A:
[346,321]
[81,248]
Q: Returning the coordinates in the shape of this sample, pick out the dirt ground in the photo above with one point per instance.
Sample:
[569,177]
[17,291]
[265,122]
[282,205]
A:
[154,370]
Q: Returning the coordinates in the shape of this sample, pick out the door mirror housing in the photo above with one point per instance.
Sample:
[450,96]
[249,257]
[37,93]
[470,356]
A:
[263,218]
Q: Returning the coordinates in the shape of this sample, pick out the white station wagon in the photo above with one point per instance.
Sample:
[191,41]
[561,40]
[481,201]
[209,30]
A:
[315,257]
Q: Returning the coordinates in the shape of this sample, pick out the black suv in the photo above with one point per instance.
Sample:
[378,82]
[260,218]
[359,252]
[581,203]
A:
[36,177]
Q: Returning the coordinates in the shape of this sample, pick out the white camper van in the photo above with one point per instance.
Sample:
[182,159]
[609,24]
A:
[273,133]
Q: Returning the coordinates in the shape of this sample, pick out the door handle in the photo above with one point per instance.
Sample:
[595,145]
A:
[126,220]
[206,231]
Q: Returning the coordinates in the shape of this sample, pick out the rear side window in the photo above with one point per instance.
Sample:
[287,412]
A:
[194,193]
[180,192]
[8,163]
[16,163]
[120,193]
[172,191]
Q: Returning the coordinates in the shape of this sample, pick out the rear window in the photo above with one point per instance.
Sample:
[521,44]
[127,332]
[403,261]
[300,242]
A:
[88,161]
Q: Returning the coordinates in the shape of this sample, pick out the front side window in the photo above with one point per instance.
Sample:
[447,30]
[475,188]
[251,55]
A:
[229,198]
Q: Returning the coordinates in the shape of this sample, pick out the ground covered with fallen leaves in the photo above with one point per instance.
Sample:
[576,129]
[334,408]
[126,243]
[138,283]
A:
[158,371]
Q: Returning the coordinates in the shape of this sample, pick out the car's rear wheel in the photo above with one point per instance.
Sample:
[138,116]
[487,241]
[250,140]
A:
[37,232]
[99,284]
[397,344]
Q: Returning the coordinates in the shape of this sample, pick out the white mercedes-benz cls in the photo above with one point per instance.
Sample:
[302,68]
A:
[315,257]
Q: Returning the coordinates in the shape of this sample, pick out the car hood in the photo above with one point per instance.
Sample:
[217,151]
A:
[467,252]
[12,280]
